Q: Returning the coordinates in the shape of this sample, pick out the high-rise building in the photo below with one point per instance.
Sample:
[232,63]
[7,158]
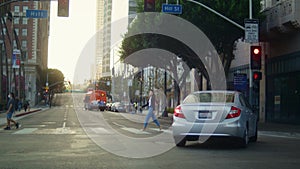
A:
[132,12]
[103,26]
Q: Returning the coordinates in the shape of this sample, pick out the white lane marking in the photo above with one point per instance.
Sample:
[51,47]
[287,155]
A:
[99,130]
[49,122]
[64,125]
[134,130]
[25,131]
[163,130]
[120,125]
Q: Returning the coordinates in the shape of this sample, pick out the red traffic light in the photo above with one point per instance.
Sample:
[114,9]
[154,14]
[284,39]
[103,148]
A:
[149,5]
[257,76]
[256,51]
[255,54]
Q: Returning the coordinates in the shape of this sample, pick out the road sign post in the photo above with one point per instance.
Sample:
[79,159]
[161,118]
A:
[15,59]
[251,30]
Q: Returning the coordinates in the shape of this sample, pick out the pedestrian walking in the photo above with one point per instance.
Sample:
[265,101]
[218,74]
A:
[10,111]
[26,105]
[20,105]
[151,108]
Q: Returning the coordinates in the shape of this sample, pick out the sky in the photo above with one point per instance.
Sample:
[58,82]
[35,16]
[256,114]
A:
[69,35]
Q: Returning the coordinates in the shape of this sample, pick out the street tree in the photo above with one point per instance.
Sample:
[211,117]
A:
[55,79]
[220,32]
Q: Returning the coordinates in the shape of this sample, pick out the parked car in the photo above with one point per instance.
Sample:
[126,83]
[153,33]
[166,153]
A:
[118,107]
[108,106]
[93,105]
[214,114]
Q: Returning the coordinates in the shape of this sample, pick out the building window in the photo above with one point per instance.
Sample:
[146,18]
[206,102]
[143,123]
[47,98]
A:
[24,44]
[15,44]
[24,32]
[17,31]
[25,8]
[17,8]
[25,21]
[25,54]
[16,20]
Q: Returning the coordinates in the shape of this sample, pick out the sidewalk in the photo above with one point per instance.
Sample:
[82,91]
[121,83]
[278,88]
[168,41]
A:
[279,129]
[18,114]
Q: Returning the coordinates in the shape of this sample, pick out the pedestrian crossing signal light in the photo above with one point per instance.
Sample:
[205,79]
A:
[255,54]
[257,76]
[63,8]
[149,5]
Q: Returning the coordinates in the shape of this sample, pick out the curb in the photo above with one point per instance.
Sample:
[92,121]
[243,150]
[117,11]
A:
[25,113]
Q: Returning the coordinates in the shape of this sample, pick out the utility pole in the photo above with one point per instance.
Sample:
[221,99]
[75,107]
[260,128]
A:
[250,70]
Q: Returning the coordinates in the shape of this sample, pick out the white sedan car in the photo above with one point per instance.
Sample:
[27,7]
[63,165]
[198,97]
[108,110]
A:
[206,114]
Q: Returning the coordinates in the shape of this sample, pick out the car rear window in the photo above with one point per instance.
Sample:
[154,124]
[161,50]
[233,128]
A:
[209,98]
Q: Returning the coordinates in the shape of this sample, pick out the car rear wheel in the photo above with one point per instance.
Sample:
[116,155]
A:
[245,139]
[180,142]
[254,138]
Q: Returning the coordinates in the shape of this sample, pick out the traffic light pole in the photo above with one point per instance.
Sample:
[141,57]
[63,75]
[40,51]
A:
[217,13]
[250,70]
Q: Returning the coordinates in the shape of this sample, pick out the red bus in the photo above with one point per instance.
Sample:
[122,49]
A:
[95,99]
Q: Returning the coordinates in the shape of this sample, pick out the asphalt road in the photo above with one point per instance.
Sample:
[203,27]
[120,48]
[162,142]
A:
[66,136]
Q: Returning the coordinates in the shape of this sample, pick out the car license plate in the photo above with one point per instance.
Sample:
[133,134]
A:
[205,115]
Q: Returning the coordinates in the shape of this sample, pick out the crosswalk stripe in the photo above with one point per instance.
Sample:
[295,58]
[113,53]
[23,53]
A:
[25,131]
[134,130]
[100,130]
[163,130]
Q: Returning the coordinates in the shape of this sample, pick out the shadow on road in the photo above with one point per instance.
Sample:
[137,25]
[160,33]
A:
[217,144]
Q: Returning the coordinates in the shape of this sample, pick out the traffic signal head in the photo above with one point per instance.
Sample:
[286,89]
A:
[255,54]
[149,5]
[63,8]
[257,76]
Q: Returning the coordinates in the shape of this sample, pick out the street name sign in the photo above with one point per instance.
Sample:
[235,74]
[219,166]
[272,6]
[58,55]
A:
[172,8]
[36,13]
[251,30]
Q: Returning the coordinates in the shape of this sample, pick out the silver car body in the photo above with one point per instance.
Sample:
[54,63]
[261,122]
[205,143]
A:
[118,107]
[230,116]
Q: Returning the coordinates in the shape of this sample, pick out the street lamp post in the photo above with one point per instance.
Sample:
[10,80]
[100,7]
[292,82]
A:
[1,71]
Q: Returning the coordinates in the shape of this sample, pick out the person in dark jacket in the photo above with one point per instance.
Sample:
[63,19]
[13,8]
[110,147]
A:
[151,108]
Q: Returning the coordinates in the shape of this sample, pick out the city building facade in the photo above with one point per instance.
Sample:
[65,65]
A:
[280,33]
[279,95]
[103,38]
[30,37]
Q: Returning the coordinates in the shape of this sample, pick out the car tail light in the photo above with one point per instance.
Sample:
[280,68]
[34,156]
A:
[234,112]
[178,112]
